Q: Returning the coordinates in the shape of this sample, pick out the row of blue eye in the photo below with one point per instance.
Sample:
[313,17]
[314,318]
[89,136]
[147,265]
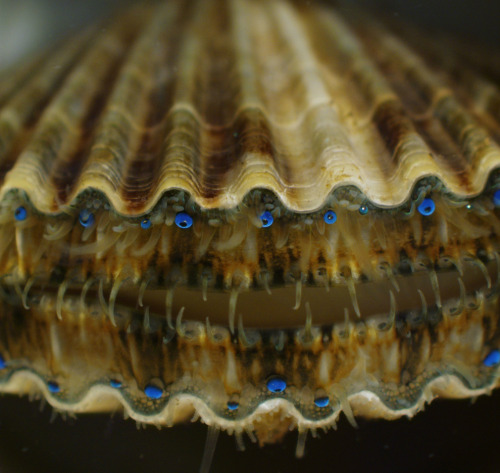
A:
[86,218]
[184,220]
[275,385]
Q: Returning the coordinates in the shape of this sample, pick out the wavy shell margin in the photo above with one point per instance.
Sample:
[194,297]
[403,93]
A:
[296,100]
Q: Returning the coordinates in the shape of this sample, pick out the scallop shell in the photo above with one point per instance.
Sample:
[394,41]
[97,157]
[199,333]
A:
[261,212]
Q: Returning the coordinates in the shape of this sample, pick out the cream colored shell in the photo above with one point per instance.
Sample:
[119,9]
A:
[220,98]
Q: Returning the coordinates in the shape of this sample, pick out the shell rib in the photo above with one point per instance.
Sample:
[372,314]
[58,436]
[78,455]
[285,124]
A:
[297,102]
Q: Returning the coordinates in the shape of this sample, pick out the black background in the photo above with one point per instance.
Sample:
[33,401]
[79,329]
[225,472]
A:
[449,436]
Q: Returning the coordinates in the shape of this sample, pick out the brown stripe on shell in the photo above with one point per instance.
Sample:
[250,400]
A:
[296,100]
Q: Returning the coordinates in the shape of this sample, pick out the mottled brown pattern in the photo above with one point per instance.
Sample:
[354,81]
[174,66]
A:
[297,101]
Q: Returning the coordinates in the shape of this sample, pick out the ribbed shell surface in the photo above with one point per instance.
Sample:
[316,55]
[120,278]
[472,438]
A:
[218,98]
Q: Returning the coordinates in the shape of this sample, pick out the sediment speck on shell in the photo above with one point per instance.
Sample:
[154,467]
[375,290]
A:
[252,208]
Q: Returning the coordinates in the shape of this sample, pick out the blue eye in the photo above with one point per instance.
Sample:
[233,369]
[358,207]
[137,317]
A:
[496,198]
[153,392]
[114,383]
[427,207]
[330,217]
[53,387]
[322,401]
[492,359]
[363,210]
[267,219]
[232,405]
[86,218]
[20,214]
[146,223]
[183,220]
[3,365]
[276,384]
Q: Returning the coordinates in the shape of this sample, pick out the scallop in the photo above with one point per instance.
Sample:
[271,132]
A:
[260,213]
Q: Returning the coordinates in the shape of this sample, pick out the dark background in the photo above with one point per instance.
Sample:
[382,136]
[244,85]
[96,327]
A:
[449,436]
[25,25]
[477,20]
[453,436]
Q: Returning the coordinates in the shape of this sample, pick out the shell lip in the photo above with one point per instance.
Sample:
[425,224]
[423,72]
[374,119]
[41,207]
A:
[98,198]
[365,401]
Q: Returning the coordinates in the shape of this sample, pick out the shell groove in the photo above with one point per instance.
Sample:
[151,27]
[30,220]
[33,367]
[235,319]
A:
[297,101]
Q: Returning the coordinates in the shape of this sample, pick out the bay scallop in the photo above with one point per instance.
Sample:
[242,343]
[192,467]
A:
[260,213]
